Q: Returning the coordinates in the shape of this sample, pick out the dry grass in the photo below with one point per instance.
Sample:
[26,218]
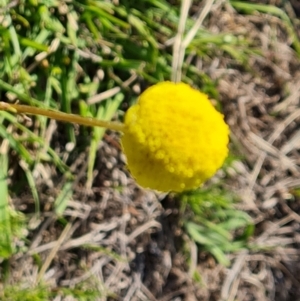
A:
[127,242]
[262,108]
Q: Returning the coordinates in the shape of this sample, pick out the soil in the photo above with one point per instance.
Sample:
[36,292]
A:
[130,242]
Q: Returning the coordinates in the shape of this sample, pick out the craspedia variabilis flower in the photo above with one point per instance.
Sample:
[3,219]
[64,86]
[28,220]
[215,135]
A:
[174,138]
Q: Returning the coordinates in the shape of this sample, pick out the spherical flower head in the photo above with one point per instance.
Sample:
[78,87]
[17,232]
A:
[174,138]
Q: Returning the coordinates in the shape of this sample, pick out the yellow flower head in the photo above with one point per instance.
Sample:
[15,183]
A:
[174,138]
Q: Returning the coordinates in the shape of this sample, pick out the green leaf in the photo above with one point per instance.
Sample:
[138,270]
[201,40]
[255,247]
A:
[5,227]
[63,198]
[105,112]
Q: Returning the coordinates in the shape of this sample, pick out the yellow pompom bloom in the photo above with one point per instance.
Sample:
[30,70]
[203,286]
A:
[174,138]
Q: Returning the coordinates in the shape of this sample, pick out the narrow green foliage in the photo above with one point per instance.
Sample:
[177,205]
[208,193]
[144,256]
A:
[86,291]
[63,198]
[19,143]
[60,55]
[105,112]
[5,226]
[214,223]
[11,221]
[17,293]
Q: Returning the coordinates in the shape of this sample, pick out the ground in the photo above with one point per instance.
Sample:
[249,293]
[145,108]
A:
[128,242]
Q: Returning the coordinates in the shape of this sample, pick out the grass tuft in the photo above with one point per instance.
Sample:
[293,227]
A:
[93,58]
[214,223]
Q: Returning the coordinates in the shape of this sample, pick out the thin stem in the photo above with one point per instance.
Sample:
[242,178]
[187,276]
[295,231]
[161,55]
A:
[178,50]
[193,31]
[72,118]
[22,96]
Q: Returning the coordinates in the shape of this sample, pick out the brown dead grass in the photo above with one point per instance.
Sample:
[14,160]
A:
[262,109]
[128,241]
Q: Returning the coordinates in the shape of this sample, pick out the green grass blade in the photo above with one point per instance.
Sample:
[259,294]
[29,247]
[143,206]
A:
[16,145]
[105,112]
[63,198]
[31,182]
[5,226]
[21,95]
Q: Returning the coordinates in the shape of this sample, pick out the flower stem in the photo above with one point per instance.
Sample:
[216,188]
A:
[72,118]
